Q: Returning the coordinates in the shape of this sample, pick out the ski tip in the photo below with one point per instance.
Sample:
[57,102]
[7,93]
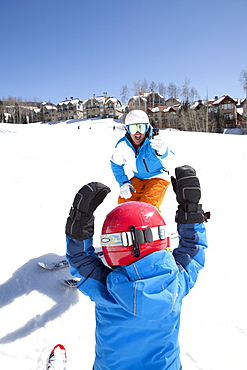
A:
[41,264]
[71,283]
[59,346]
[57,356]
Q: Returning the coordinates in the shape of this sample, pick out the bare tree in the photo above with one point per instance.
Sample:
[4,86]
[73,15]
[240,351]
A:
[172,90]
[162,89]
[185,90]
[2,111]
[188,93]
[152,86]
[137,87]
[243,79]
[194,95]
[125,93]
[144,85]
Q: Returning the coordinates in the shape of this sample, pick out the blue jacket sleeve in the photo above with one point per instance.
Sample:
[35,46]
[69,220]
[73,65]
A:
[189,255]
[84,262]
[118,172]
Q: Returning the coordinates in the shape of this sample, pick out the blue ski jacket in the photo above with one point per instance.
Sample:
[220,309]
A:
[138,306]
[144,162]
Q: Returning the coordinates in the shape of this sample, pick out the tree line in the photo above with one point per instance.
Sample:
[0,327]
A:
[183,92]
[15,110]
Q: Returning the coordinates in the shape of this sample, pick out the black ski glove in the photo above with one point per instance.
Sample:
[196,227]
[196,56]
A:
[80,223]
[188,193]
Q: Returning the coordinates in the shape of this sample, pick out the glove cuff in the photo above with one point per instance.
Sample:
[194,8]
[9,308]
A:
[80,229]
[190,217]
[191,207]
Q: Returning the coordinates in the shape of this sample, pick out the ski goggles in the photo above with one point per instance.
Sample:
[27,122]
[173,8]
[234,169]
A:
[137,127]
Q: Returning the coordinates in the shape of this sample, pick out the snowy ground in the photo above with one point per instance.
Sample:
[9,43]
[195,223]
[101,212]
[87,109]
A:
[42,167]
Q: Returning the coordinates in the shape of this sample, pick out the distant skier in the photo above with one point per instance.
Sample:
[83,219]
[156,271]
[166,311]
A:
[145,156]
[138,298]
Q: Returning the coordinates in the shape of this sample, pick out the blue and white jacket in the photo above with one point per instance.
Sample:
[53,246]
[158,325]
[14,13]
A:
[138,306]
[144,162]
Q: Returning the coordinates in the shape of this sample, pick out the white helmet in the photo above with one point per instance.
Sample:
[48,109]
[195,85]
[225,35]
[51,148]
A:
[136,116]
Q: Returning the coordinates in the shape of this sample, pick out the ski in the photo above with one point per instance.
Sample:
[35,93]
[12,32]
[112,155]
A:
[59,264]
[54,265]
[70,283]
[58,358]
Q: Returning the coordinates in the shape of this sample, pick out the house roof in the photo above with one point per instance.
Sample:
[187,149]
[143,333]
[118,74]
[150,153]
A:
[220,100]
[177,99]
[164,109]
[71,101]
[114,100]
[102,99]
[49,106]
[195,104]
[136,97]
[146,94]
[98,98]
[172,108]
[157,109]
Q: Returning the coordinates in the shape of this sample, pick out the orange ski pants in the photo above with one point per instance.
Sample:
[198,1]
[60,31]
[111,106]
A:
[151,191]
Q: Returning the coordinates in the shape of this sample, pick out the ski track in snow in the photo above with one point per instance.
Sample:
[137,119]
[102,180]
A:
[42,167]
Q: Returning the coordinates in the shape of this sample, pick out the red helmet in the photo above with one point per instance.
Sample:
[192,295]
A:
[131,231]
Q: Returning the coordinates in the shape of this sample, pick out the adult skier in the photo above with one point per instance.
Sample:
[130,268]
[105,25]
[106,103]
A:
[145,155]
[138,296]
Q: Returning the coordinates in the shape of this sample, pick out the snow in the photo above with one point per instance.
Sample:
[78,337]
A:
[156,109]
[69,101]
[114,100]
[42,167]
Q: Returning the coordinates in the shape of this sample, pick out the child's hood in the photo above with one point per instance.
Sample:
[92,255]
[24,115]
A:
[147,288]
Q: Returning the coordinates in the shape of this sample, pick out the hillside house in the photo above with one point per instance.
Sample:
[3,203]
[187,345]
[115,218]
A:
[113,108]
[146,100]
[242,113]
[102,106]
[137,102]
[217,113]
[70,109]
[226,107]
[48,112]
[164,117]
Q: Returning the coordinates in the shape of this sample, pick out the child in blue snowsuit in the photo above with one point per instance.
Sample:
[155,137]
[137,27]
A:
[138,303]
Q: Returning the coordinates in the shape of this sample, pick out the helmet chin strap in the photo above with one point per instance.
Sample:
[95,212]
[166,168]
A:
[135,246]
[139,236]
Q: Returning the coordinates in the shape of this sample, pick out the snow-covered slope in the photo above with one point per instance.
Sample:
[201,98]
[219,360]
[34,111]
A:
[42,167]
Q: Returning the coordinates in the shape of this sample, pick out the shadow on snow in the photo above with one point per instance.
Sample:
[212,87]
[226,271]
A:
[31,277]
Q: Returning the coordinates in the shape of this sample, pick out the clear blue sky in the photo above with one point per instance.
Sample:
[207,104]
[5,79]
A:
[53,49]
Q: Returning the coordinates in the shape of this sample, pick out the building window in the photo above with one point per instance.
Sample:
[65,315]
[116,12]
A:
[227,106]
[228,117]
